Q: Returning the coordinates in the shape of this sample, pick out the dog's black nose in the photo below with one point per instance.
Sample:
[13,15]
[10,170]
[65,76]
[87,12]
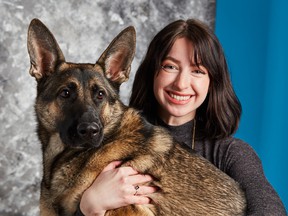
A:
[88,130]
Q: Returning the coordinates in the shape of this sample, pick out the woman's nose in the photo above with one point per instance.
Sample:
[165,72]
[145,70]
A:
[182,81]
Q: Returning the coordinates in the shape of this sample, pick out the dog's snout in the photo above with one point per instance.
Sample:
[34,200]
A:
[88,130]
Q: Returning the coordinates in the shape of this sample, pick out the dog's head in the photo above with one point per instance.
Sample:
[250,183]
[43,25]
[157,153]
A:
[80,102]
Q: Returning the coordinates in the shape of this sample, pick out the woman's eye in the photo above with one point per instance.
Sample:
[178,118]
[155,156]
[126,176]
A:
[198,72]
[170,68]
[65,93]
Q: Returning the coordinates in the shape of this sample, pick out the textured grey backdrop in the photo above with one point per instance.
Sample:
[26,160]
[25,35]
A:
[83,30]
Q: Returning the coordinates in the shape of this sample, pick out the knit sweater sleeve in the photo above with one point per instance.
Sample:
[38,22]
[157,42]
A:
[244,166]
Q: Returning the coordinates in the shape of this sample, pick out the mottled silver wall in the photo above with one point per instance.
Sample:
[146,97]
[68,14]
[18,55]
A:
[83,30]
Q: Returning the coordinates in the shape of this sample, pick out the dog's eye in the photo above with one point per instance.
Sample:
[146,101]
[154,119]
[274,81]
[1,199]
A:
[65,93]
[100,94]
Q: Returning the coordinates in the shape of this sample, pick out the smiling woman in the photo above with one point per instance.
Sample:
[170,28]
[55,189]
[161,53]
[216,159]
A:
[184,78]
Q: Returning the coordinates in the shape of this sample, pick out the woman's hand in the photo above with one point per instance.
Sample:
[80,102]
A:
[114,188]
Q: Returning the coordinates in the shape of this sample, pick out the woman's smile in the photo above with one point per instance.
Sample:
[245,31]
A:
[178,98]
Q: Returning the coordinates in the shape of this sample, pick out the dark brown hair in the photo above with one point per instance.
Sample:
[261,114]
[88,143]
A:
[219,115]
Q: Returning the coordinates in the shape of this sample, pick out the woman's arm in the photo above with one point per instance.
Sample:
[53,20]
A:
[243,165]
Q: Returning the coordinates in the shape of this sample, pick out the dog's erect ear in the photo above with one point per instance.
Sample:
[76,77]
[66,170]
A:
[43,50]
[117,58]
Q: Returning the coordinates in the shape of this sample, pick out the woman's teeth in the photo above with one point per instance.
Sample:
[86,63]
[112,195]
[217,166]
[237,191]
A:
[179,98]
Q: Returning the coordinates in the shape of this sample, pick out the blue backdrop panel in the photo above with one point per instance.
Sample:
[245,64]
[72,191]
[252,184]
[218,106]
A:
[254,35]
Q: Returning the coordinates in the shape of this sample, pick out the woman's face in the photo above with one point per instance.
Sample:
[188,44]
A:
[180,87]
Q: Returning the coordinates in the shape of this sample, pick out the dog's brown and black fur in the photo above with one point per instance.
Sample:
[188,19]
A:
[83,126]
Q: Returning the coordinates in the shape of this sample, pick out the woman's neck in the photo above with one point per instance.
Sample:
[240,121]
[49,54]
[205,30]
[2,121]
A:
[176,121]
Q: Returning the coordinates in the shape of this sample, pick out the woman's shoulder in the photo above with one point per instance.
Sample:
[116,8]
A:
[238,149]
[223,153]
[234,145]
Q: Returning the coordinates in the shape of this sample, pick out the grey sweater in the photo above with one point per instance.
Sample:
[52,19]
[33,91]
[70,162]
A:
[237,159]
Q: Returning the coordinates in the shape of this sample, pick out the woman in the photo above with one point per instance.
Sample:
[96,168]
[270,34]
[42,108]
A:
[183,84]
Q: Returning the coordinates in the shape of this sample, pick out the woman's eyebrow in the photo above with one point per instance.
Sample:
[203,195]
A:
[198,65]
[178,62]
[172,59]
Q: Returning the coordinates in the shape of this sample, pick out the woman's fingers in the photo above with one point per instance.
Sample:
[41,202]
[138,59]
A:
[144,190]
[140,200]
[134,178]
[140,179]
[112,165]
[121,171]
[136,181]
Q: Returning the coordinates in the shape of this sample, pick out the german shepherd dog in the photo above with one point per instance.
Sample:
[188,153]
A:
[83,126]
